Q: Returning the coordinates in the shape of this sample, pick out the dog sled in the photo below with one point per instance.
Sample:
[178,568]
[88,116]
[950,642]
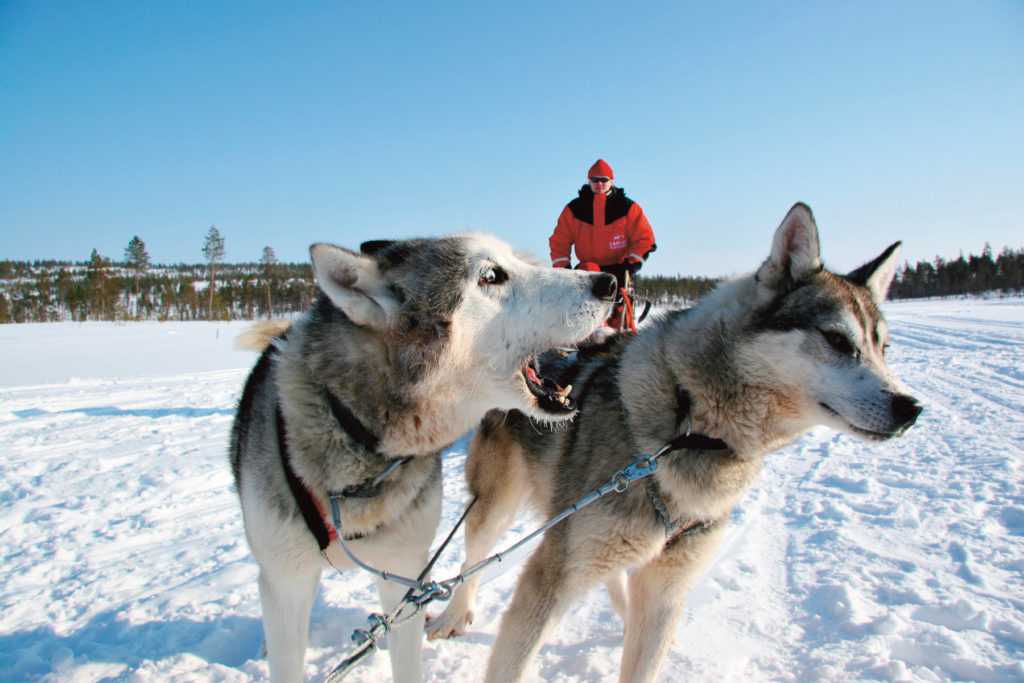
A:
[632,299]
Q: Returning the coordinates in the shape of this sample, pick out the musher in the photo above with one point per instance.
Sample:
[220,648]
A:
[608,230]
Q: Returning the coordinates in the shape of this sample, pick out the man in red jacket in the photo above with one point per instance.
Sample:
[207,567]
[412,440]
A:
[608,229]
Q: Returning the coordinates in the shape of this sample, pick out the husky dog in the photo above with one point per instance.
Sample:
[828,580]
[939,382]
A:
[407,347]
[759,361]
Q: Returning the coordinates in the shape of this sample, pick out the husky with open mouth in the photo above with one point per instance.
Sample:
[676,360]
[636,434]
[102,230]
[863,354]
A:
[408,345]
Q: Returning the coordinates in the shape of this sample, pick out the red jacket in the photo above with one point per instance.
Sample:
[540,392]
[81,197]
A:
[605,229]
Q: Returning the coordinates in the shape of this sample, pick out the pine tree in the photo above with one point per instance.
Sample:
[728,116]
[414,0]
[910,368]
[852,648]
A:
[269,261]
[96,277]
[213,250]
[137,259]
[1010,268]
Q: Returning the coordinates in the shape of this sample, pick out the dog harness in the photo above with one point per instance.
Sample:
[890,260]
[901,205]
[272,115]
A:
[371,487]
[674,529]
[308,505]
[686,440]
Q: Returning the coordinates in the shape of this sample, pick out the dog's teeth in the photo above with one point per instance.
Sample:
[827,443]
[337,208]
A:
[564,392]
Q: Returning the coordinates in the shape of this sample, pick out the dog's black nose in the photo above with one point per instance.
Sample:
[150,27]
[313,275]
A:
[605,287]
[906,409]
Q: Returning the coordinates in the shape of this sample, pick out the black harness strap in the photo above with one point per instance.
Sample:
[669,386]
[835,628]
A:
[686,440]
[694,528]
[352,426]
[371,487]
[660,508]
[697,442]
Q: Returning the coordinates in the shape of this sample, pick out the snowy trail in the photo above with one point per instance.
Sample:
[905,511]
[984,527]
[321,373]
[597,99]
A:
[122,554]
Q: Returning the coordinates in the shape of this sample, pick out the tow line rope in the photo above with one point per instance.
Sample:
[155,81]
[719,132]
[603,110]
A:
[422,593]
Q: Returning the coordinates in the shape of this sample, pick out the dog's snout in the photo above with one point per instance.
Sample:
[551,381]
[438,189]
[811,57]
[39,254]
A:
[906,409]
[605,287]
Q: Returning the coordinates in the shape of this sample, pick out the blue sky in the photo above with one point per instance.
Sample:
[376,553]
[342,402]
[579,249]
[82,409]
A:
[285,124]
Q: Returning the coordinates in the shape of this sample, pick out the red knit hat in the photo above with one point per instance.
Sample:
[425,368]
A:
[600,169]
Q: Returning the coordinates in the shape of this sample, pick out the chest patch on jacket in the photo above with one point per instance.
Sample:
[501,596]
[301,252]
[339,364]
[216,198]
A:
[616,206]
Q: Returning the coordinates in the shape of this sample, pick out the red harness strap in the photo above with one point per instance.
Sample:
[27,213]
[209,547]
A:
[309,506]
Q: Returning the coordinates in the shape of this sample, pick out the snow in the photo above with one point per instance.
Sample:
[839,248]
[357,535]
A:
[124,558]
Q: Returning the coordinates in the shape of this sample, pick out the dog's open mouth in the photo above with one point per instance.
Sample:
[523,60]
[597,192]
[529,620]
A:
[551,398]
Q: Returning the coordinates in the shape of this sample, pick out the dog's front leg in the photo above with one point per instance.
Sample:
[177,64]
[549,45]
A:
[405,643]
[287,599]
[543,595]
[497,480]
[483,528]
[657,593]
[403,549]
[618,594]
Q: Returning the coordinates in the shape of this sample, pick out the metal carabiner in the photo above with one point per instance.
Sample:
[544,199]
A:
[641,467]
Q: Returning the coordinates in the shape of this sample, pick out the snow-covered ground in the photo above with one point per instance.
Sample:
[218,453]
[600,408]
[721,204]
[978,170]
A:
[122,555]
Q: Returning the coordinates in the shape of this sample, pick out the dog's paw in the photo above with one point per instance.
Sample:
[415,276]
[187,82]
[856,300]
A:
[446,625]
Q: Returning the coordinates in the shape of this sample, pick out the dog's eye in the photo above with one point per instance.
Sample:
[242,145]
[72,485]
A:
[493,276]
[838,342]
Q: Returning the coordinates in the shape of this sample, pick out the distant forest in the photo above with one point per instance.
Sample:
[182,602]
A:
[132,289]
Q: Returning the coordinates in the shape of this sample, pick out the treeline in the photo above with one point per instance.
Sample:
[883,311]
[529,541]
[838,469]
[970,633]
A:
[133,289]
[960,277]
[674,291]
[101,289]
[54,291]
[970,275]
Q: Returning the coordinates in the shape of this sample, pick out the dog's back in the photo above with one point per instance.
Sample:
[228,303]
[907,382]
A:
[251,428]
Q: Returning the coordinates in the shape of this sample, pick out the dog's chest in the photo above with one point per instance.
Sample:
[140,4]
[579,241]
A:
[704,485]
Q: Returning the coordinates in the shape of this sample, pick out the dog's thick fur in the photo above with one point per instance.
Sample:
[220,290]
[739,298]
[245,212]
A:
[415,340]
[757,362]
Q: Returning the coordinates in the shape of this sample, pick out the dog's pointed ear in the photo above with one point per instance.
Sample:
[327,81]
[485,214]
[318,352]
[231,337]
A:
[356,285]
[877,275]
[795,250]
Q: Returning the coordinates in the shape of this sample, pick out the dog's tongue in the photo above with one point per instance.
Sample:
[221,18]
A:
[554,390]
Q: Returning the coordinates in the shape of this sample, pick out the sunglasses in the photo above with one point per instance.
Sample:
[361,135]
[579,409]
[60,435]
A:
[599,180]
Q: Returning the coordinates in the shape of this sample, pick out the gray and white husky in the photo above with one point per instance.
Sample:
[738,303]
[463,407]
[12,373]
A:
[756,363]
[407,347]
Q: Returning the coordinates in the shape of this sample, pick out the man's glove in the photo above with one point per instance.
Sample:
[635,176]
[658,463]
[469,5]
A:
[632,266]
[616,269]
